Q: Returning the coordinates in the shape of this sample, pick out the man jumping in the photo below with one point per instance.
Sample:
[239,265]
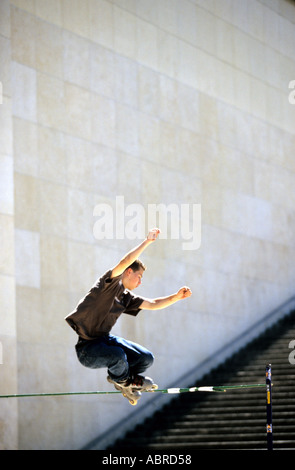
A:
[98,311]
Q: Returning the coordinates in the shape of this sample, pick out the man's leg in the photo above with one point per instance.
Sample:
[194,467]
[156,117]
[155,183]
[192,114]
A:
[138,357]
[101,353]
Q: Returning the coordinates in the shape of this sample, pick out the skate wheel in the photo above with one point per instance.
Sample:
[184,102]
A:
[154,387]
[133,402]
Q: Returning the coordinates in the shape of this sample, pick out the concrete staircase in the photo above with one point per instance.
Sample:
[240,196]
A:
[235,419]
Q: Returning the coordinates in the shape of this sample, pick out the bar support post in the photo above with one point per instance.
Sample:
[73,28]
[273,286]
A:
[268,408]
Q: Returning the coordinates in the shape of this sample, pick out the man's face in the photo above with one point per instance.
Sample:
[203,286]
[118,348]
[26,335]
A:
[132,279]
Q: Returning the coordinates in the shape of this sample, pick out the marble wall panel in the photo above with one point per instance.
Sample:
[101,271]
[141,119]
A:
[170,101]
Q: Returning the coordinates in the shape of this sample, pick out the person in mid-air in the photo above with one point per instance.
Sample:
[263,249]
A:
[98,311]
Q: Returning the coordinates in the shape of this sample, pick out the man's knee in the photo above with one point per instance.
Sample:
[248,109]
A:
[149,359]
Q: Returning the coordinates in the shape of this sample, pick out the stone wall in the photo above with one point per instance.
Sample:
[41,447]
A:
[158,102]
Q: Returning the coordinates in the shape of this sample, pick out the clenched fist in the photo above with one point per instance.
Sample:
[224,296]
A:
[153,234]
[183,293]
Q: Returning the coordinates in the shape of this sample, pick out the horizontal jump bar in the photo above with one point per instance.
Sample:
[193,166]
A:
[213,388]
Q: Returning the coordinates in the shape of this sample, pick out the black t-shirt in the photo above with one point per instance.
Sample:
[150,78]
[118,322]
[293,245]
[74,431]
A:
[99,310]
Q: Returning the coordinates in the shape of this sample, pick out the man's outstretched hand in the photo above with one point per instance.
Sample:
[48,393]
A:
[183,293]
[153,234]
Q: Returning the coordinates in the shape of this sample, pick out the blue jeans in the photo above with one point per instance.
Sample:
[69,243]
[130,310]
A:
[122,358]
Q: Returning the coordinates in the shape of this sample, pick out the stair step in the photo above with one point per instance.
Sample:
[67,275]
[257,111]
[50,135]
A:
[235,420]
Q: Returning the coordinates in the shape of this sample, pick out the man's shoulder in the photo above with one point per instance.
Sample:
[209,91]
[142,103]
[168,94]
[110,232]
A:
[106,282]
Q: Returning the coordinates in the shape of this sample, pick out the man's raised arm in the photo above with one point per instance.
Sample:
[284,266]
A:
[134,254]
[163,302]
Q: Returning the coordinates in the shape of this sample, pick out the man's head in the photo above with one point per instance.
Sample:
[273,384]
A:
[133,274]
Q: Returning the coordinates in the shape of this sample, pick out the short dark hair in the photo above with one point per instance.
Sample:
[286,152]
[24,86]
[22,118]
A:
[137,265]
